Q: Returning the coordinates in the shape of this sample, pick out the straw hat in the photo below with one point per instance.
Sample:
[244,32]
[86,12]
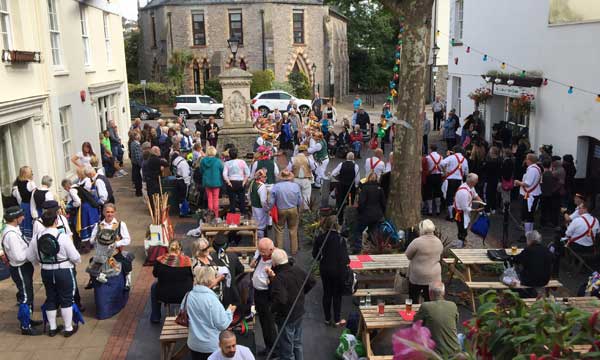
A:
[260,174]
[302,147]
[286,175]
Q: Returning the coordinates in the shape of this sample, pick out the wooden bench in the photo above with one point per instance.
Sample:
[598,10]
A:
[375,292]
[497,285]
[381,357]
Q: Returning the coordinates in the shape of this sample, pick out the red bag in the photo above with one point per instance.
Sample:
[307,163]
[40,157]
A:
[274,215]
[508,185]
[374,144]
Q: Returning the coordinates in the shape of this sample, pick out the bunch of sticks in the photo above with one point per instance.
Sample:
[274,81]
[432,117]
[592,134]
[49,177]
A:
[159,208]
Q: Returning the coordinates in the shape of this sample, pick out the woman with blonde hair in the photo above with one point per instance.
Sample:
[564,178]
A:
[211,168]
[23,188]
[207,317]
[173,273]
[424,268]
[333,258]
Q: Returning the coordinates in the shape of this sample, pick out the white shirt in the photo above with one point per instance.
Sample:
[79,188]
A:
[183,169]
[437,106]
[100,189]
[14,245]
[578,227]
[376,165]
[260,279]
[236,170]
[314,146]
[73,197]
[17,194]
[84,160]
[49,196]
[452,162]
[434,161]
[67,251]
[531,181]
[61,223]
[463,200]
[241,353]
[575,214]
[124,240]
[338,168]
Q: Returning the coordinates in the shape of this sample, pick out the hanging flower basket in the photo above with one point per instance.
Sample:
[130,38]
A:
[481,95]
[522,105]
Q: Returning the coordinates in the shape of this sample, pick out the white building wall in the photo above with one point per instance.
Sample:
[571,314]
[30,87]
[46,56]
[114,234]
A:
[518,33]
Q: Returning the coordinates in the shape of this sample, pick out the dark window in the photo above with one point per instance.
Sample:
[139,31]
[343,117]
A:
[213,100]
[235,26]
[153,20]
[284,96]
[198,29]
[269,96]
[205,100]
[298,27]
[185,99]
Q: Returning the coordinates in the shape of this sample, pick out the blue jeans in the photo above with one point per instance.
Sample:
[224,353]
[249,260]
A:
[290,342]
[356,147]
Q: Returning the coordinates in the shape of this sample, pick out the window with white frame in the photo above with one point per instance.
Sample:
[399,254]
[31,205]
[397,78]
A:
[458,19]
[5,29]
[85,36]
[456,94]
[64,116]
[54,33]
[107,43]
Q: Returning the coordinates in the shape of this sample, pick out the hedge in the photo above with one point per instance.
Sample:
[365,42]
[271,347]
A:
[156,93]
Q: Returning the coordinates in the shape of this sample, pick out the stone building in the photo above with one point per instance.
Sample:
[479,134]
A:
[281,35]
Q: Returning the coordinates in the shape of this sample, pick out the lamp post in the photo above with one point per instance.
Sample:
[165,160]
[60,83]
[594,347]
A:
[331,80]
[233,43]
[314,71]
[435,50]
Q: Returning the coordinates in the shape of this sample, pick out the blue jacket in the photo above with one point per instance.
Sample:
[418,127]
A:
[207,318]
[212,172]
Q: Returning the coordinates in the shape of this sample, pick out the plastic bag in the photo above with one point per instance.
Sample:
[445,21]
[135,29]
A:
[350,348]
[510,277]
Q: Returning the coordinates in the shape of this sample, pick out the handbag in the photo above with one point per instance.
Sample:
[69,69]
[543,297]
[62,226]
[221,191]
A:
[497,255]
[400,284]
[507,185]
[373,144]
[350,282]
[182,317]
[481,226]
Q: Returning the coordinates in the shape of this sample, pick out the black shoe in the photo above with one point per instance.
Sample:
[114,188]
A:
[36,322]
[70,333]
[52,333]
[30,332]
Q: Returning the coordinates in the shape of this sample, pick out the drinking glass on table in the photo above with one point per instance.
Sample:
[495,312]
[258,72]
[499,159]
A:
[380,307]
[408,305]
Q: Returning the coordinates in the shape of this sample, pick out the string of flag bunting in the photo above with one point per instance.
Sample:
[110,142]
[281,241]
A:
[522,72]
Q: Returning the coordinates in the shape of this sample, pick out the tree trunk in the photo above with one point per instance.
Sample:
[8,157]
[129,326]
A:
[404,203]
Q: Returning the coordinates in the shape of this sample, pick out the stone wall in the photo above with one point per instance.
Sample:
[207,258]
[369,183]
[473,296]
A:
[281,52]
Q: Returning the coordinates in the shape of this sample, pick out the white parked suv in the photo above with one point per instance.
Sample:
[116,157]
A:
[268,101]
[190,105]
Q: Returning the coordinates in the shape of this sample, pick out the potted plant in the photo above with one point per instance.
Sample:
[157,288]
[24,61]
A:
[481,95]
[523,105]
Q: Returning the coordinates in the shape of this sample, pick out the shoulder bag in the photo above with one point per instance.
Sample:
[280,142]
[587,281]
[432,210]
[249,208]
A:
[182,317]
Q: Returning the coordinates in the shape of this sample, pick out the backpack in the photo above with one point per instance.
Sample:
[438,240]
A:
[389,231]
[108,236]
[109,190]
[48,248]
[87,197]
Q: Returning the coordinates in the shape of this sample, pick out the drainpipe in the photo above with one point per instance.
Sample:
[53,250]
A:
[262,28]
[170,31]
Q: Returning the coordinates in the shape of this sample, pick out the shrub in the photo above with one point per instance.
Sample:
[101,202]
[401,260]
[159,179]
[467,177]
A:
[300,84]
[156,93]
[213,89]
[262,80]
[283,86]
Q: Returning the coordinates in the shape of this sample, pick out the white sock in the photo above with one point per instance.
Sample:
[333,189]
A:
[450,208]
[438,203]
[67,315]
[51,314]
[429,205]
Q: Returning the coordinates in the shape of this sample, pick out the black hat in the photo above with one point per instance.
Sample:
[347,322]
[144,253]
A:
[50,204]
[220,242]
[12,213]
[556,158]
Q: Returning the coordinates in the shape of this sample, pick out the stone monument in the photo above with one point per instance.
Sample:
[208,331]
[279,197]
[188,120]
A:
[237,122]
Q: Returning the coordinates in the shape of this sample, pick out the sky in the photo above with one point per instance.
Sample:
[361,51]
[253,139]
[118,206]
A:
[129,8]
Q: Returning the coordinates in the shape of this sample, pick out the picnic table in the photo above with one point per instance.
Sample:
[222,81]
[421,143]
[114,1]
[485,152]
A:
[471,258]
[385,262]
[171,333]
[372,321]
[585,303]
[210,231]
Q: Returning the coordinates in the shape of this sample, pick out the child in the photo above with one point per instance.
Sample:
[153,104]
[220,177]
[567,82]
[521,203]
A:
[381,135]
[325,127]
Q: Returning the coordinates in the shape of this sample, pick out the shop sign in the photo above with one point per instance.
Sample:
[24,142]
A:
[512,91]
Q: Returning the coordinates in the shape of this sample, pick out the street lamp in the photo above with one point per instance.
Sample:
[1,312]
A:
[314,71]
[435,50]
[233,43]
[331,75]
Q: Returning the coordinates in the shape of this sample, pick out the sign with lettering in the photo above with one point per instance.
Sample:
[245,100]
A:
[512,91]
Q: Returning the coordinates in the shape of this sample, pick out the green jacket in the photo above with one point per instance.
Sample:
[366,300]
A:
[441,318]
[212,172]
